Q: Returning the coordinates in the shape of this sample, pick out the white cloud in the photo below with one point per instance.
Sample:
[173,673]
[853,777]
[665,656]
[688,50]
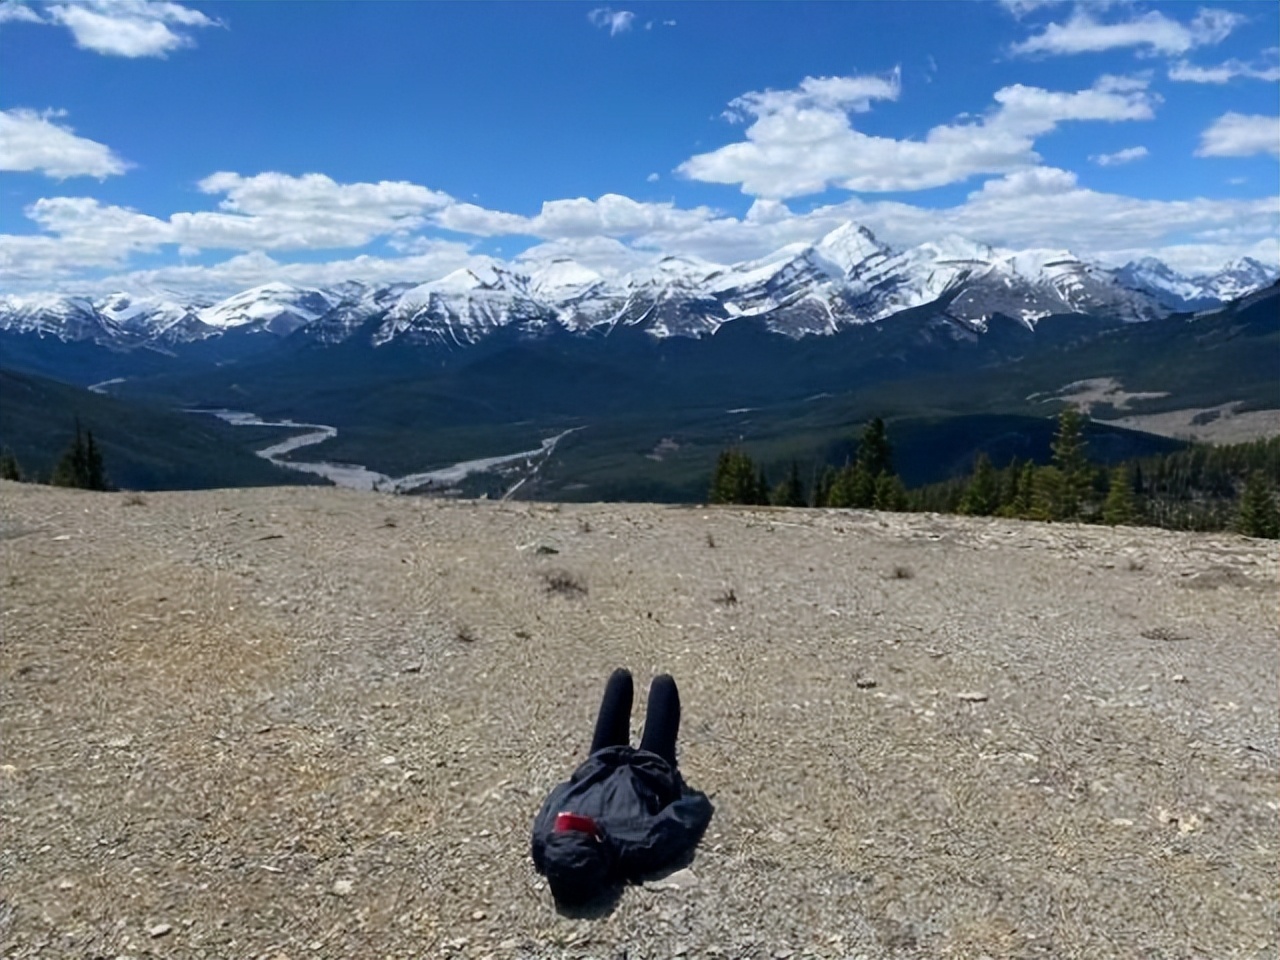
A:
[1020,8]
[616,21]
[1127,155]
[652,178]
[14,12]
[802,141]
[130,28]
[605,255]
[1082,33]
[1225,72]
[432,261]
[1032,206]
[1238,135]
[279,211]
[32,141]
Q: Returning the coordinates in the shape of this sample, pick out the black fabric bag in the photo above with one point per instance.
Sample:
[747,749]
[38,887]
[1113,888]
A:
[647,818]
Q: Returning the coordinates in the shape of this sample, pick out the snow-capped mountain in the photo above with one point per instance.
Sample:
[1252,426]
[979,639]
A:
[278,308]
[1177,292]
[847,278]
[1238,278]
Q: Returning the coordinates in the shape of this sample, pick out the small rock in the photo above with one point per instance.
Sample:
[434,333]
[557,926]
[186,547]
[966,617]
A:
[159,930]
[1179,678]
[343,888]
[679,880]
[411,668]
[864,683]
[478,915]
[971,696]
[66,884]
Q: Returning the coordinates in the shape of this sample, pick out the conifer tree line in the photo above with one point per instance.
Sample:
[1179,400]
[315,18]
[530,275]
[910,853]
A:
[79,466]
[1203,487]
[867,481]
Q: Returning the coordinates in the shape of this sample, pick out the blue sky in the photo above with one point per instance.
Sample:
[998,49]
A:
[213,146]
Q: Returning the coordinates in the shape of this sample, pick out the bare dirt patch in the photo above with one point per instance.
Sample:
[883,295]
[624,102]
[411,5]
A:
[1085,394]
[1221,424]
[250,720]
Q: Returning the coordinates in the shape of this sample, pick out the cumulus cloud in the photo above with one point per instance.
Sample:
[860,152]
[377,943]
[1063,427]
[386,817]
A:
[33,141]
[1127,155]
[1225,72]
[1032,206]
[615,21]
[430,262]
[802,141]
[12,11]
[1082,33]
[1240,135]
[130,28]
[1020,8]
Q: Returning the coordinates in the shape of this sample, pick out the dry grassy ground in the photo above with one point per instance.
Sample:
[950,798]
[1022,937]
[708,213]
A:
[315,723]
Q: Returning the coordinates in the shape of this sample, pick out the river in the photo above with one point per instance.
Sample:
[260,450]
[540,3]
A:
[357,477]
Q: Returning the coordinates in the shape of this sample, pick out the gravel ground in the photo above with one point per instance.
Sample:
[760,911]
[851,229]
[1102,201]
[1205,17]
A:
[314,723]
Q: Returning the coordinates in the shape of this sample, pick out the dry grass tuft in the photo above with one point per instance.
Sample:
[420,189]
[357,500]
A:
[564,583]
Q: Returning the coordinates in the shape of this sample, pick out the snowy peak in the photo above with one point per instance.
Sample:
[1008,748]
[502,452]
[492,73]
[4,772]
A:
[1239,277]
[278,308]
[849,247]
[1177,291]
[845,278]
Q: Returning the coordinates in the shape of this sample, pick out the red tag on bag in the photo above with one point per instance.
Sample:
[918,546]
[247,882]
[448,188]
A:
[575,821]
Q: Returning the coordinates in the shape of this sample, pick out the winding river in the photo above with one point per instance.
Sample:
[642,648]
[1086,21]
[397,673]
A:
[357,477]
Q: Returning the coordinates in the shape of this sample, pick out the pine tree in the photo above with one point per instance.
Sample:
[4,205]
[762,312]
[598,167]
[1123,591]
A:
[81,465]
[875,455]
[1010,483]
[9,469]
[761,493]
[1026,490]
[790,492]
[95,475]
[734,480]
[1046,494]
[890,493]
[1257,516]
[862,486]
[840,494]
[1119,507]
[982,495]
[822,487]
[1069,458]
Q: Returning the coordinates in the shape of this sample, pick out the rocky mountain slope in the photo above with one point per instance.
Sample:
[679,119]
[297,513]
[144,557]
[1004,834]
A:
[319,723]
[846,279]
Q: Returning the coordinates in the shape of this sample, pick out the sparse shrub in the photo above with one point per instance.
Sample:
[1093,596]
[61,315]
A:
[726,598]
[564,583]
[584,525]
[134,499]
[902,573]
[711,541]
[9,469]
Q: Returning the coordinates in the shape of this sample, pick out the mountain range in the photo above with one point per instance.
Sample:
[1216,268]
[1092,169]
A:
[846,279]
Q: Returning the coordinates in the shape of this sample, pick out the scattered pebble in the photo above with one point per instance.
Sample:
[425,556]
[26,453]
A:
[1179,678]
[478,915]
[679,880]
[159,930]
[971,696]
[343,888]
[864,683]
